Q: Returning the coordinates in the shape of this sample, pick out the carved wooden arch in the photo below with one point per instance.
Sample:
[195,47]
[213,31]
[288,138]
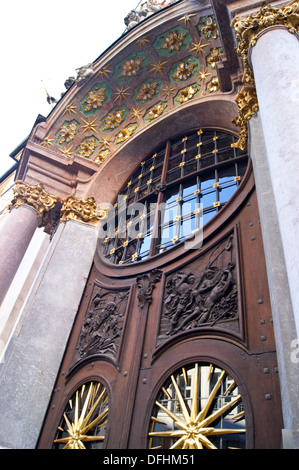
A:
[203,353]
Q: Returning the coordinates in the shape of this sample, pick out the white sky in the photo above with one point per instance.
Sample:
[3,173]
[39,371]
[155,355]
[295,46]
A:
[41,44]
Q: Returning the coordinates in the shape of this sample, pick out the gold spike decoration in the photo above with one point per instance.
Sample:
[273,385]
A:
[83,425]
[197,421]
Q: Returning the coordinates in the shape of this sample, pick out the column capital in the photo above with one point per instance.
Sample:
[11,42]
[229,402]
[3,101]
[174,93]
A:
[82,210]
[33,196]
[248,28]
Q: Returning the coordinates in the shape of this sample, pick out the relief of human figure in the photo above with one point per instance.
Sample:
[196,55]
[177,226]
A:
[193,299]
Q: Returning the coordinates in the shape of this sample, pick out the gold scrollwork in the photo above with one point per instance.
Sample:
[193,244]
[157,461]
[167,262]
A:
[247,103]
[34,196]
[85,211]
[247,30]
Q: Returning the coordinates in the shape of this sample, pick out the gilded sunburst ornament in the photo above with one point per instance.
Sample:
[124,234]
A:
[122,94]
[85,418]
[47,142]
[103,72]
[70,108]
[158,67]
[199,48]
[89,126]
[198,407]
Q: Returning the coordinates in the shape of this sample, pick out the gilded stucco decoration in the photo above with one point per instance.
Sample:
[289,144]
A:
[83,210]
[34,196]
[208,27]
[172,41]
[131,66]
[102,156]
[156,72]
[147,90]
[156,111]
[187,93]
[247,103]
[184,69]
[125,133]
[247,30]
[67,132]
[47,142]
[114,118]
[95,98]
[214,57]
[249,27]
[87,147]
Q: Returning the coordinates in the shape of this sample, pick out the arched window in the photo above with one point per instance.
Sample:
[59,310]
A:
[172,194]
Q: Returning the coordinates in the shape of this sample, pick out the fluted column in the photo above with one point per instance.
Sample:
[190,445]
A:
[27,211]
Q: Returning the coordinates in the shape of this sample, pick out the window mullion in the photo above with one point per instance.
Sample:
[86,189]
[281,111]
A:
[160,199]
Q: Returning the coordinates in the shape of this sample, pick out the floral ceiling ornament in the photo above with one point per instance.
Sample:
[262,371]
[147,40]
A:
[114,119]
[67,132]
[155,111]
[147,90]
[208,27]
[213,85]
[102,156]
[131,67]
[125,133]
[173,41]
[214,57]
[95,99]
[187,94]
[87,147]
[184,70]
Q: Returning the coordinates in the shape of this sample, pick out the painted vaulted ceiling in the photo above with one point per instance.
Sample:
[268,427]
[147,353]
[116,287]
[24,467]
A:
[139,83]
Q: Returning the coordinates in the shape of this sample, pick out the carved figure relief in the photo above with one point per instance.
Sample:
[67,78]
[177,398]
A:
[202,297]
[103,323]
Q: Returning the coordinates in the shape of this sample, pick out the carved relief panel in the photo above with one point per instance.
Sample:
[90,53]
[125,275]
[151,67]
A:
[103,323]
[204,293]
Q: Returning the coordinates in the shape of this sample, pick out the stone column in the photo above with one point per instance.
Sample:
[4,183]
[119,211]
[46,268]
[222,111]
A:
[29,206]
[275,62]
[33,356]
[269,48]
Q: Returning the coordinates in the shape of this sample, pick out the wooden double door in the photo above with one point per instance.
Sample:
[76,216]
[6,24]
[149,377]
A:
[172,336]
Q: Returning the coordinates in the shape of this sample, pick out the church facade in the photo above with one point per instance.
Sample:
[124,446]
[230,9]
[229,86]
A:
[164,313]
